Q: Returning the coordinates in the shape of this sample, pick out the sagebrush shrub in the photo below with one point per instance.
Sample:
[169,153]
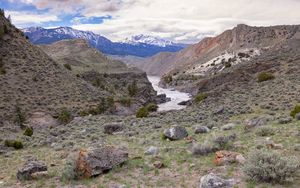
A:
[203,149]
[28,131]
[64,116]
[201,97]
[142,112]
[265,131]
[125,101]
[152,107]
[264,76]
[270,166]
[295,111]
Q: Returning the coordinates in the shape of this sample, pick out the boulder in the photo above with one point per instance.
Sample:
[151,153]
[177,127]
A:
[213,181]
[224,157]
[228,126]
[176,133]
[152,151]
[184,103]
[93,162]
[162,98]
[111,128]
[201,129]
[32,169]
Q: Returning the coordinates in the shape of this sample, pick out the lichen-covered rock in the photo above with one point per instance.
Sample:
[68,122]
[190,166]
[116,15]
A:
[213,181]
[176,133]
[93,162]
[32,169]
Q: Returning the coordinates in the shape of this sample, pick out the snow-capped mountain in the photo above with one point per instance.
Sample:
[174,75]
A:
[141,46]
[147,39]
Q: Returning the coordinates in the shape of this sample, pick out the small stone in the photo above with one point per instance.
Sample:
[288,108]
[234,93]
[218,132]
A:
[201,129]
[152,151]
[213,181]
[228,126]
[158,164]
[175,133]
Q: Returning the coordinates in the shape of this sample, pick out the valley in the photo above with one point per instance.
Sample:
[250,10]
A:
[80,111]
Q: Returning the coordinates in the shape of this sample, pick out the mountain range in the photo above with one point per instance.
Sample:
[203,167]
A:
[139,45]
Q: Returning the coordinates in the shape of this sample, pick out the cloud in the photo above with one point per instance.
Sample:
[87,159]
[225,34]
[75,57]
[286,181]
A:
[28,18]
[181,21]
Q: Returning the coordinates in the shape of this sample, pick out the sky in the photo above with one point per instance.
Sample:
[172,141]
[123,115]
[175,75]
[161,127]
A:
[184,21]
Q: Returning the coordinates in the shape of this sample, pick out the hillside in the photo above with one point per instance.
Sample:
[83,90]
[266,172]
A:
[136,47]
[109,75]
[31,81]
[242,39]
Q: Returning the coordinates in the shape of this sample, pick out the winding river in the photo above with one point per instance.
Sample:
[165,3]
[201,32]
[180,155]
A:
[176,96]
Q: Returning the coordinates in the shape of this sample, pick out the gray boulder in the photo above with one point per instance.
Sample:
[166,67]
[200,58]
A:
[152,151]
[228,126]
[111,128]
[93,162]
[201,129]
[213,181]
[176,133]
[32,169]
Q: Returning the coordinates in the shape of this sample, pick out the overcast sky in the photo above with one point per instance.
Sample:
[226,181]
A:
[186,21]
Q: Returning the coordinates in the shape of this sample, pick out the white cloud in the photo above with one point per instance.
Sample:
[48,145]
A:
[27,18]
[182,21]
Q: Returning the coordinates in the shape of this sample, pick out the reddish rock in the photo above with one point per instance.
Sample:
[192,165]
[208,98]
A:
[93,162]
[227,157]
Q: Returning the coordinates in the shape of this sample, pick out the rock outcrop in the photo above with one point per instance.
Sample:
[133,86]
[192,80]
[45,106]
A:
[32,169]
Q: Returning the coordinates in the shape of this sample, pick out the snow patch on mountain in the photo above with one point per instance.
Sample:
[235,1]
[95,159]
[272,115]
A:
[147,39]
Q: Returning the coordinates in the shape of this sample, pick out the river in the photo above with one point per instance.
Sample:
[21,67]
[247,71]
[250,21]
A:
[176,96]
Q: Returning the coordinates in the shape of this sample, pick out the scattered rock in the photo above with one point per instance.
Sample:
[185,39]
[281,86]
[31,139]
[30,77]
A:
[32,169]
[93,162]
[257,121]
[227,157]
[184,103]
[176,133]
[201,129]
[285,120]
[113,127]
[158,164]
[152,151]
[162,98]
[219,110]
[228,126]
[213,181]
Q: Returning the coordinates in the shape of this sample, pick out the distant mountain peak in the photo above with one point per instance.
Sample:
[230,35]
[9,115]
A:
[148,39]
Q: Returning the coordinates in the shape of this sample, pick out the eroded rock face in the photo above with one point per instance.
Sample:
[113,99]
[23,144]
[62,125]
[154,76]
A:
[213,181]
[32,169]
[176,133]
[93,162]
[41,119]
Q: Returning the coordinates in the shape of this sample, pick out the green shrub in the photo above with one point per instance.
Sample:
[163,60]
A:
[270,166]
[167,79]
[20,117]
[125,101]
[28,131]
[200,97]
[13,143]
[264,76]
[132,89]
[295,111]
[265,131]
[68,66]
[152,107]
[64,116]
[142,112]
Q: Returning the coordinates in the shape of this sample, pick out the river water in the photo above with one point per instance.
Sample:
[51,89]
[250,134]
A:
[176,96]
